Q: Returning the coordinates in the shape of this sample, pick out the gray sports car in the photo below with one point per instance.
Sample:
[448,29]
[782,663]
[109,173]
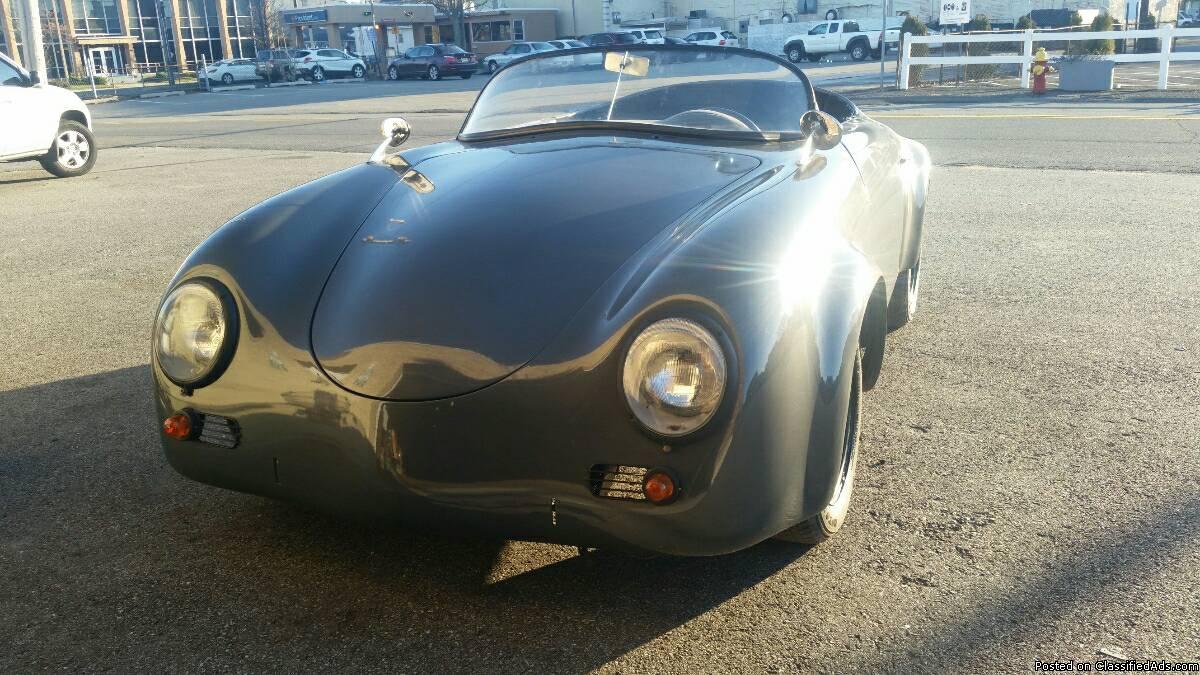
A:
[634,304]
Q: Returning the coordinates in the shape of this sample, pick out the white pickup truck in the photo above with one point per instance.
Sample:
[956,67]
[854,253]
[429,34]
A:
[828,37]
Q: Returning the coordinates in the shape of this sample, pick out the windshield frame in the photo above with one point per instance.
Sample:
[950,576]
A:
[592,125]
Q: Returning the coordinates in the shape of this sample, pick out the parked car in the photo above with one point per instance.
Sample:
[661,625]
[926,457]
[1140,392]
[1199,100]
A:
[657,339]
[433,62]
[317,64]
[229,71]
[715,38]
[607,39]
[567,44]
[672,40]
[516,50]
[44,122]
[276,65]
[829,37]
[646,36]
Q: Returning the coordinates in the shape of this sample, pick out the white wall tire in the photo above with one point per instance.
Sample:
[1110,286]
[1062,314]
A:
[73,152]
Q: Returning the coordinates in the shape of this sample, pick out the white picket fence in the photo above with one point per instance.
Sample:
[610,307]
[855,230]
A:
[1164,56]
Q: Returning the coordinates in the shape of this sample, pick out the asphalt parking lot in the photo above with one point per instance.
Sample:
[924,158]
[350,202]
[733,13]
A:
[1028,488]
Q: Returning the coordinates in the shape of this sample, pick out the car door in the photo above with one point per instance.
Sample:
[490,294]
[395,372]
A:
[331,61]
[876,151]
[406,65]
[28,125]
[817,38]
[242,69]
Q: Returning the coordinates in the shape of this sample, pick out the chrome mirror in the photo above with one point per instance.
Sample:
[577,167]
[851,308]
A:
[395,131]
[822,128]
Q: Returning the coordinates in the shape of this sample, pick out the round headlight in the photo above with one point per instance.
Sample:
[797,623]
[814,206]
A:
[194,333]
[674,376]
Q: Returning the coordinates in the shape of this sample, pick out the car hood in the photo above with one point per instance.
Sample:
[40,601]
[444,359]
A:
[473,262]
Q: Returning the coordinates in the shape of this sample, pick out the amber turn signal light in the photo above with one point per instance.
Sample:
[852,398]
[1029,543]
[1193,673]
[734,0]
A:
[178,426]
[659,487]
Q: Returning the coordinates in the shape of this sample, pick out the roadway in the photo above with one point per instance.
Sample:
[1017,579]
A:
[1027,490]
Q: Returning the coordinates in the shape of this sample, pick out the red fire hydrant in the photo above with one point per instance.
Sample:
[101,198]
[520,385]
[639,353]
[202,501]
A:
[1041,68]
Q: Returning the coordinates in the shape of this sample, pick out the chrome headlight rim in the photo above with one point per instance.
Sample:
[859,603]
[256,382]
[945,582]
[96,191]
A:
[228,345]
[719,335]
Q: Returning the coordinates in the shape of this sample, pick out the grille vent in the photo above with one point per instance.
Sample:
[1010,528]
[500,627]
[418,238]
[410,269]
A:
[617,481]
[220,431]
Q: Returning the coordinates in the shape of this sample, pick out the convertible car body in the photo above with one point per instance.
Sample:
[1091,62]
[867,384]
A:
[632,305]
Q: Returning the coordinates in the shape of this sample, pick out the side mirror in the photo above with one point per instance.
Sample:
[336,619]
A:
[34,79]
[822,128]
[395,131]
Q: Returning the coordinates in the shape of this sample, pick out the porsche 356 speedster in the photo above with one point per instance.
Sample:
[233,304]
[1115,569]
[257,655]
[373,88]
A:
[634,304]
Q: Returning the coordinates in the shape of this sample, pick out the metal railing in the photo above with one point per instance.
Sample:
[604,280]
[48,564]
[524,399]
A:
[1164,56]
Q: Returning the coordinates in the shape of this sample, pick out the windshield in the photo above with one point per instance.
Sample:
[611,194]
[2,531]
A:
[624,39]
[687,89]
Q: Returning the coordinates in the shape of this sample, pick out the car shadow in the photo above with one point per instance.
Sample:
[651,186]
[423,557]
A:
[132,559]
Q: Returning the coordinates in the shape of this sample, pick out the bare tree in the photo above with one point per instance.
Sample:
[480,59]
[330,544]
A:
[457,10]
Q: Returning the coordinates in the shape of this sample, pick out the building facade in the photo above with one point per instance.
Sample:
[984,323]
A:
[493,30]
[112,37]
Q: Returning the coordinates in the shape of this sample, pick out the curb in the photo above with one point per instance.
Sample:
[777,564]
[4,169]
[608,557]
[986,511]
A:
[234,87]
[353,80]
[161,94]
[294,83]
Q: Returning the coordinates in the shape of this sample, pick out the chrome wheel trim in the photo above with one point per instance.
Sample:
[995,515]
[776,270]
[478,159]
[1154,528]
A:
[434,73]
[318,74]
[72,149]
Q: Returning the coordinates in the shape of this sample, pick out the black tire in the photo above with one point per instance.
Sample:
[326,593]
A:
[492,67]
[73,152]
[904,297]
[466,76]
[227,79]
[795,53]
[831,518]
[318,74]
[859,51]
[831,15]
[358,71]
[433,74]
[393,73]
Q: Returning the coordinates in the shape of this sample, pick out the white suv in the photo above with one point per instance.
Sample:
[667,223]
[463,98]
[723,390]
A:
[714,37]
[317,64]
[646,36]
[45,123]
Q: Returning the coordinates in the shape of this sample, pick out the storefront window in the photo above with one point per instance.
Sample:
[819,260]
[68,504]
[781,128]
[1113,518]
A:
[491,31]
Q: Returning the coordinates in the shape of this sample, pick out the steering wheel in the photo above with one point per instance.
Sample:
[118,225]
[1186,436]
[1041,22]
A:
[718,118]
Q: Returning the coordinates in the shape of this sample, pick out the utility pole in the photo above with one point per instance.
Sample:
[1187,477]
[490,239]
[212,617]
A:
[35,58]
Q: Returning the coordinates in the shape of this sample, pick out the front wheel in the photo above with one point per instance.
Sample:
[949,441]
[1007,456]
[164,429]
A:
[227,79]
[493,66]
[433,73]
[73,152]
[858,52]
[358,71]
[318,74]
[393,73]
[795,54]
[831,518]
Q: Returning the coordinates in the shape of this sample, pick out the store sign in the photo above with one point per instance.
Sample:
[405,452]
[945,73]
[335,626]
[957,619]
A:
[315,16]
[955,12]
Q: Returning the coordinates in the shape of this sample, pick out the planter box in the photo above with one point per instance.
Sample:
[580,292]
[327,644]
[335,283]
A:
[1085,75]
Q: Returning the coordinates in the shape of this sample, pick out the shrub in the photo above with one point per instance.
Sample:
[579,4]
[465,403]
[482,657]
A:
[1027,23]
[979,71]
[1102,22]
[1147,44]
[1076,18]
[915,26]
